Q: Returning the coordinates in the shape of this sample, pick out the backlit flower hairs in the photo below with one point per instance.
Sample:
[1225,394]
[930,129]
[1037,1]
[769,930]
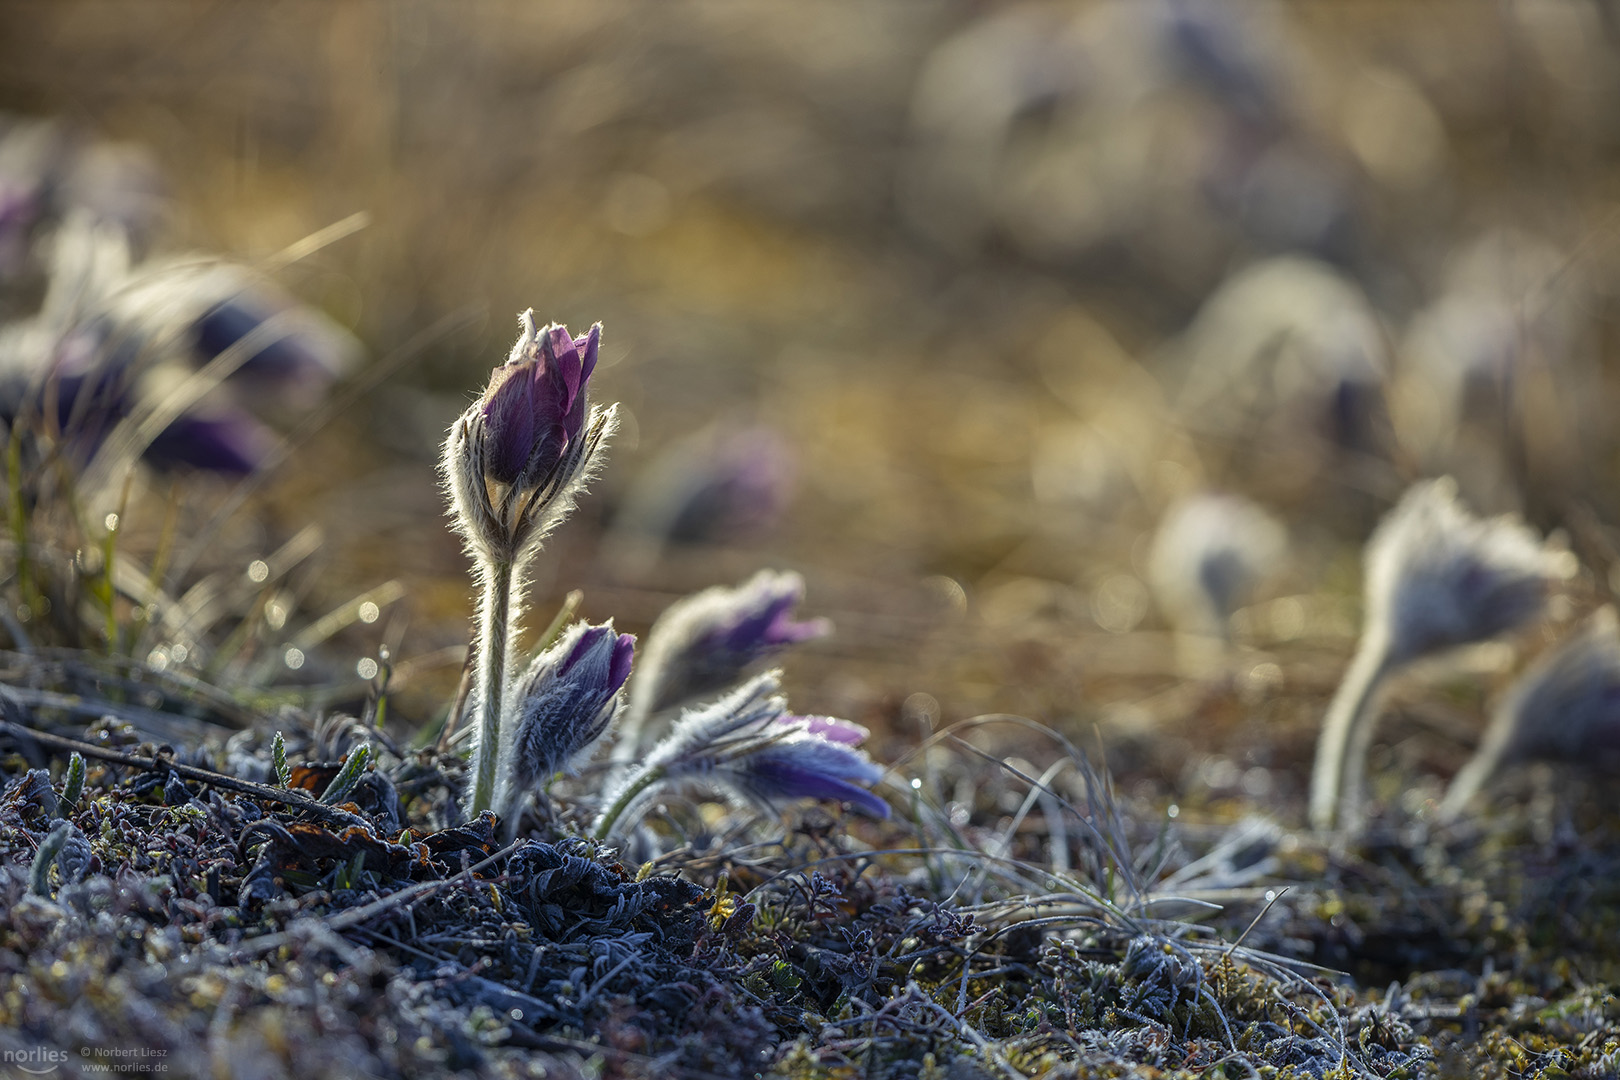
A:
[1565,707]
[704,643]
[747,747]
[1436,577]
[513,464]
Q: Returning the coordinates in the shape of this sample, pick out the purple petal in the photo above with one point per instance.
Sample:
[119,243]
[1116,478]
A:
[229,441]
[587,642]
[587,347]
[830,728]
[509,417]
[786,779]
[623,654]
[785,630]
[558,353]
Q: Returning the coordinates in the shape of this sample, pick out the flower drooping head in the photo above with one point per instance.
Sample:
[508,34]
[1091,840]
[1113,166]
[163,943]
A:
[1438,577]
[705,642]
[561,706]
[516,459]
[1208,554]
[1565,707]
[746,746]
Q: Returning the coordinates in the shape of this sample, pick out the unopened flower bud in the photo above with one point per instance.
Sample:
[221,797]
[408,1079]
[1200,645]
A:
[705,642]
[516,459]
[561,706]
[1565,707]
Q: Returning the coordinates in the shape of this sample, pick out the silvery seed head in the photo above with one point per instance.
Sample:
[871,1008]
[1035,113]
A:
[561,706]
[516,459]
[1565,707]
[705,642]
[1209,553]
[1438,577]
[746,746]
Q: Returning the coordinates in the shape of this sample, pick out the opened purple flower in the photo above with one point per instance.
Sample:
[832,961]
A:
[747,747]
[561,706]
[704,643]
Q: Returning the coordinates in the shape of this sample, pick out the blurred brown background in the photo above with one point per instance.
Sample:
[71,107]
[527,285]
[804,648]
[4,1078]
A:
[955,270]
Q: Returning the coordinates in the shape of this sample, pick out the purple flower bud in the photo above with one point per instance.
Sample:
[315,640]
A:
[562,705]
[534,406]
[705,642]
[809,768]
[515,461]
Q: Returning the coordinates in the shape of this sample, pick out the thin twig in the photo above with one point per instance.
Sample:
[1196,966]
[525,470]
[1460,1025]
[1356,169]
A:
[284,796]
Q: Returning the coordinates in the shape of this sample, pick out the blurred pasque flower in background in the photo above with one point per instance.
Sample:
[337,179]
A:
[1565,707]
[1209,553]
[118,345]
[1436,577]
[722,485]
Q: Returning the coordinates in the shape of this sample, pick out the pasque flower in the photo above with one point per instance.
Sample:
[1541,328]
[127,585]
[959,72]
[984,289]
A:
[1565,707]
[1208,554]
[746,746]
[514,463]
[703,644]
[515,460]
[560,707]
[1436,577]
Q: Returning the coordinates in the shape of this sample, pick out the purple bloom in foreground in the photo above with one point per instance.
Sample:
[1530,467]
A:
[561,706]
[746,746]
[705,642]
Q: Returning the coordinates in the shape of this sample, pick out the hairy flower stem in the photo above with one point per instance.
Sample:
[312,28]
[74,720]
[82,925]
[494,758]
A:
[650,775]
[494,631]
[1341,769]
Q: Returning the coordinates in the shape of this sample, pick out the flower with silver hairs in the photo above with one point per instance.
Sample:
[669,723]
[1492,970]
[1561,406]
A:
[560,707]
[703,643]
[1436,577]
[747,747]
[515,460]
[1565,707]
